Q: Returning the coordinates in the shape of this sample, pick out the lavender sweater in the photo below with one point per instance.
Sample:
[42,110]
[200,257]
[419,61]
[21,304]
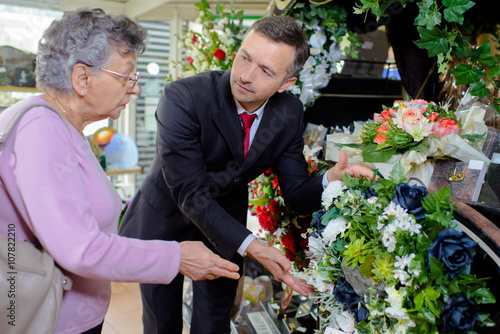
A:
[60,196]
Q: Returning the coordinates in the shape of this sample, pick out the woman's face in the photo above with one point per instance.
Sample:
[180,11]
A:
[111,88]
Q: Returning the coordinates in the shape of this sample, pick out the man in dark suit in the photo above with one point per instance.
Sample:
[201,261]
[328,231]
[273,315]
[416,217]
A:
[197,186]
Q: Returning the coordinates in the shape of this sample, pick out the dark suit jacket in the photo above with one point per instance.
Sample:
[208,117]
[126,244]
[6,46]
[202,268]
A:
[197,186]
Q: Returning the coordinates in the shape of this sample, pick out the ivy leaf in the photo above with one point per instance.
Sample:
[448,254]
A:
[479,89]
[494,71]
[428,15]
[434,41]
[462,48]
[455,9]
[465,74]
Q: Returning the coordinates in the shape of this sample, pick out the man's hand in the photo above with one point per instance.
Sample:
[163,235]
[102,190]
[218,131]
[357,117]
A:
[342,167]
[200,263]
[272,259]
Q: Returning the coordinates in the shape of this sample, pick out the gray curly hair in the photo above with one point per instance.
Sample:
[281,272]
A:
[83,36]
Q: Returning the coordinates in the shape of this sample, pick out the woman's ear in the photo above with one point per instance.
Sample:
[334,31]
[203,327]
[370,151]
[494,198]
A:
[80,78]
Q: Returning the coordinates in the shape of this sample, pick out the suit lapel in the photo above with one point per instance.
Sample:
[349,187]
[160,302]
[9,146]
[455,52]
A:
[226,118]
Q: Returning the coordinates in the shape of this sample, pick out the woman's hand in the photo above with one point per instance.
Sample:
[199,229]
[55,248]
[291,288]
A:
[342,167]
[200,263]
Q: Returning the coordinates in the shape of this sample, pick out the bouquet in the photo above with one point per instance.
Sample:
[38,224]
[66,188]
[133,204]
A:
[389,258]
[281,225]
[215,47]
[416,133]
[404,128]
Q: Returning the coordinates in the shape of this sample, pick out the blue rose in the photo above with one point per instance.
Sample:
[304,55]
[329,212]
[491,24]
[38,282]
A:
[459,313]
[345,294]
[452,248]
[316,221]
[410,198]
[370,192]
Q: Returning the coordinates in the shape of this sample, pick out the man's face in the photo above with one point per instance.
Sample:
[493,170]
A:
[259,70]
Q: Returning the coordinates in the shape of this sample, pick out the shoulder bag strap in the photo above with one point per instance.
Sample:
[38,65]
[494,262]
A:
[5,133]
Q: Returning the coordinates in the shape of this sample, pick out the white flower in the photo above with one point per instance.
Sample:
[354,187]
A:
[402,275]
[322,286]
[332,191]
[318,39]
[346,322]
[334,228]
[404,261]
[315,51]
[372,200]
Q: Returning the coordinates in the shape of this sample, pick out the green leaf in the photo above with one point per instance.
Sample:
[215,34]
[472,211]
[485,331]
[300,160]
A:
[494,71]
[479,89]
[434,41]
[370,153]
[431,293]
[428,15]
[419,300]
[397,173]
[462,48]
[484,296]
[472,137]
[455,9]
[465,74]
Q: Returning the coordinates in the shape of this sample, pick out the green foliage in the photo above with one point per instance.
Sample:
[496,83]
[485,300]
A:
[439,24]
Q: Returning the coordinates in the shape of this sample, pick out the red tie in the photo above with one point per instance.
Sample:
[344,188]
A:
[247,120]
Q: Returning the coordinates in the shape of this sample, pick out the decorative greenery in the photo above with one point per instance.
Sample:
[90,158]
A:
[389,258]
[216,46]
[438,24]
[281,225]
[326,29]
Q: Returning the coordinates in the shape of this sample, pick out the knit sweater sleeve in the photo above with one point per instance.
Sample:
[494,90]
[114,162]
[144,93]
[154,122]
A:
[73,208]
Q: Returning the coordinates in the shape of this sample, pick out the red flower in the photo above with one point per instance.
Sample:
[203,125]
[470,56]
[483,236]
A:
[268,172]
[275,183]
[219,54]
[289,242]
[190,60]
[195,38]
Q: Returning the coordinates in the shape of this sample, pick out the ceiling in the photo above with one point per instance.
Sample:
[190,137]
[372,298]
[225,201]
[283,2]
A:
[154,10]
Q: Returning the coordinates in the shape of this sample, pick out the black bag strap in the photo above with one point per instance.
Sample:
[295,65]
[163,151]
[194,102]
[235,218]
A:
[5,133]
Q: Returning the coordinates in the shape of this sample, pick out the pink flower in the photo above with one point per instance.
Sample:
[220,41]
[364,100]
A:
[219,54]
[378,117]
[407,115]
[445,126]
[190,60]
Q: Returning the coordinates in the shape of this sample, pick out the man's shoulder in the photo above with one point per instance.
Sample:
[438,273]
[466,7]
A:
[200,80]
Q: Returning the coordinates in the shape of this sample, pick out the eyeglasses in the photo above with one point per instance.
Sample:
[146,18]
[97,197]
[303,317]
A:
[126,77]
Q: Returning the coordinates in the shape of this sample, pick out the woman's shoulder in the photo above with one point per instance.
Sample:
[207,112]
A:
[39,114]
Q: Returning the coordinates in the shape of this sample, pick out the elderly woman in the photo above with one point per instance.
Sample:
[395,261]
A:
[63,199]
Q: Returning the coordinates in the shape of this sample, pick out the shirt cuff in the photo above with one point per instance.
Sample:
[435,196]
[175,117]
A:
[325,180]
[243,248]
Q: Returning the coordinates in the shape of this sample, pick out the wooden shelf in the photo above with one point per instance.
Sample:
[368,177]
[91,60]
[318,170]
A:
[19,89]
[135,169]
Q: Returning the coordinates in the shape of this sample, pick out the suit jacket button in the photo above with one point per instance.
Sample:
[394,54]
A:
[236,179]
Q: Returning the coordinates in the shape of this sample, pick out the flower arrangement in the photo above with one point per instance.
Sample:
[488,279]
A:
[387,257]
[326,28]
[215,47]
[406,127]
[415,133]
[281,225]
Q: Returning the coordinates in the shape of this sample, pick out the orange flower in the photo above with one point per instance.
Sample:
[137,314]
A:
[380,139]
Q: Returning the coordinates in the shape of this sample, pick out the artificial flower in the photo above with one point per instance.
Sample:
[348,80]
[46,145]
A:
[392,273]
